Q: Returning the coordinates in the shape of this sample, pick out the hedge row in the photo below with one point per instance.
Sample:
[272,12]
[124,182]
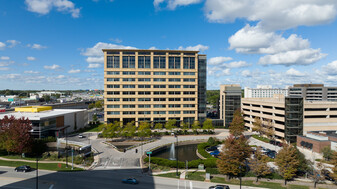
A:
[201,150]
[208,163]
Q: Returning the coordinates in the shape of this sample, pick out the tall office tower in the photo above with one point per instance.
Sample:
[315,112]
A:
[230,101]
[154,85]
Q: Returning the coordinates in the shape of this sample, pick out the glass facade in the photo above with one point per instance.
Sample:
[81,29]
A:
[293,118]
[232,103]
[202,67]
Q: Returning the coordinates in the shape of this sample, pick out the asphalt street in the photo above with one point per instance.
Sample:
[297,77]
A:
[93,179]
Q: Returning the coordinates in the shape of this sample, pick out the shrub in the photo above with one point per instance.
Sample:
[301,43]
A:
[173,164]
[201,150]
[212,170]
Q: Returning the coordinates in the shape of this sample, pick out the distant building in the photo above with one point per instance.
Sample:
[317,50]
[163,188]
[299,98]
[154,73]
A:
[48,122]
[263,91]
[313,92]
[230,101]
[317,140]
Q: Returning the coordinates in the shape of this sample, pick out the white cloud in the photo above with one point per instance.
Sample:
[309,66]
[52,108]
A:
[97,49]
[12,43]
[272,15]
[60,76]
[30,58]
[153,48]
[116,40]
[2,45]
[4,58]
[4,68]
[45,6]
[218,60]
[95,59]
[52,67]
[198,47]
[31,72]
[295,73]
[225,72]
[297,57]
[94,65]
[74,71]
[36,46]
[330,68]
[173,4]
[235,64]
[246,73]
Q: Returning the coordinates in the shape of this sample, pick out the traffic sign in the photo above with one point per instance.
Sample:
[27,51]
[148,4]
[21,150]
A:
[148,153]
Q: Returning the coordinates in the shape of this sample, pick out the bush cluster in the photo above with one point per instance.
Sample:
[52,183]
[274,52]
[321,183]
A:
[210,163]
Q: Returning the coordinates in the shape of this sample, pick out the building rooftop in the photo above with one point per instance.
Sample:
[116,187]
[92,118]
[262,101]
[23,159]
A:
[149,50]
[42,114]
[281,100]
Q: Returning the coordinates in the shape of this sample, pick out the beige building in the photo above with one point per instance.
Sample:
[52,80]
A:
[154,85]
[291,116]
[230,100]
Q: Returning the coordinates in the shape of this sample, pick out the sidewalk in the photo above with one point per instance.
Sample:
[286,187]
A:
[42,161]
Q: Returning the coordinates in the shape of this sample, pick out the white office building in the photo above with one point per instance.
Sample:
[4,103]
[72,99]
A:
[264,91]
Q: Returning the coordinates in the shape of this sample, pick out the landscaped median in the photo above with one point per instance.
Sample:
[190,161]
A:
[42,165]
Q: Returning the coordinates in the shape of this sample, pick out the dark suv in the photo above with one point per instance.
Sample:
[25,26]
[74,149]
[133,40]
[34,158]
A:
[24,168]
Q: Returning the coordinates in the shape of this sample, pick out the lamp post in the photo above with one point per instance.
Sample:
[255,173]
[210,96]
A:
[37,171]
[66,148]
[176,136]
[240,175]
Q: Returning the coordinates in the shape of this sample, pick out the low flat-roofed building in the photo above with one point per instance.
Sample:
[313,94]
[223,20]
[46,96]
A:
[317,140]
[291,116]
[47,122]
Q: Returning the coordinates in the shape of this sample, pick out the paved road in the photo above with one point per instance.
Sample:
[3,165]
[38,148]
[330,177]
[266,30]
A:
[93,179]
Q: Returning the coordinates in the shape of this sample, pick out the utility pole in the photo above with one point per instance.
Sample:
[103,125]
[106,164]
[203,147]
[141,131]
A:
[176,136]
[37,171]
[66,149]
[72,158]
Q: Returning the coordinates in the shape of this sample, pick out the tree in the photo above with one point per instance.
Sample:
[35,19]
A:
[99,104]
[129,129]
[111,130]
[144,129]
[327,153]
[170,124]
[287,162]
[269,130]
[303,164]
[333,161]
[15,135]
[196,126]
[46,98]
[233,157]
[258,164]
[158,126]
[237,126]
[318,173]
[208,125]
[94,118]
[257,125]
[91,106]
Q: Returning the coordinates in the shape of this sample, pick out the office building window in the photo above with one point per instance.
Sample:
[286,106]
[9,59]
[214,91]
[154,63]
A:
[174,73]
[112,62]
[113,52]
[174,92]
[129,106]
[144,93]
[189,73]
[144,112]
[159,106]
[129,86]
[159,112]
[144,62]
[159,79]
[112,86]
[112,73]
[189,112]
[174,112]
[189,99]
[159,92]
[112,113]
[174,99]
[189,92]
[174,86]
[189,105]
[189,86]
[144,86]
[159,62]
[129,99]
[144,73]
[112,93]
[129,73]
[144,79]
[112,99]
[128,62]
[159,73]
[159,86]
[144,106]
[129,112]
[174,62]
[189,62]
[129,79]
[189,80]
[174,105]
[129,92]
[112,106]
[144,99]
[112,79]
[174,79]
[159,99]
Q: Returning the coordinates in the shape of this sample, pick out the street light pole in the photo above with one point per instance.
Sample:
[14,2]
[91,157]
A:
[66,149]
[176,136]
[37,174]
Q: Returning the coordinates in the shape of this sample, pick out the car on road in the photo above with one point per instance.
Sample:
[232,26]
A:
[81,136]
[219,187]
[23,168]
[130,181]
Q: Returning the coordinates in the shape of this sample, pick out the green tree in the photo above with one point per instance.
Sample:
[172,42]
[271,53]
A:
[237,126]
[287,162]
[171,124]
[208,125]
[144,129]
[99,104]
[333,161]
[318,174]
[196,126]
[258,164]
[257,125]
[15,135]
[233,157]
[303,164]
[212,96]
[46,98]
[327,153]
[111,130]
[269,130]
[158,126]
[129,129]
[91,106]
[94,118]
[185,126]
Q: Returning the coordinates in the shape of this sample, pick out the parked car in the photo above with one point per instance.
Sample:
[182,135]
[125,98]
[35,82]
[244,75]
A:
[219,187]
[130,181]
[215,153]
[81,136]
[23,168]
[212,148]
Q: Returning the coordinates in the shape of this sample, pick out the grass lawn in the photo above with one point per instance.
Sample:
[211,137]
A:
[45,166]
[18,157]
[196,176]
[292,186]
[170,175]
[263,139]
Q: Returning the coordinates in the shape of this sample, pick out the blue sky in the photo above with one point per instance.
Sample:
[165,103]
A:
[56,44]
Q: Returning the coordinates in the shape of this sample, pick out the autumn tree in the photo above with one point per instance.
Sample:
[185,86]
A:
[158,126]
[257,125]
[196,126]
[237,126]
[269,130]
[144,129]
[258,164]
[318,173]
[287,162]
[233,157]
[15,135]
[327,153]
[208,125]
[334,163]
